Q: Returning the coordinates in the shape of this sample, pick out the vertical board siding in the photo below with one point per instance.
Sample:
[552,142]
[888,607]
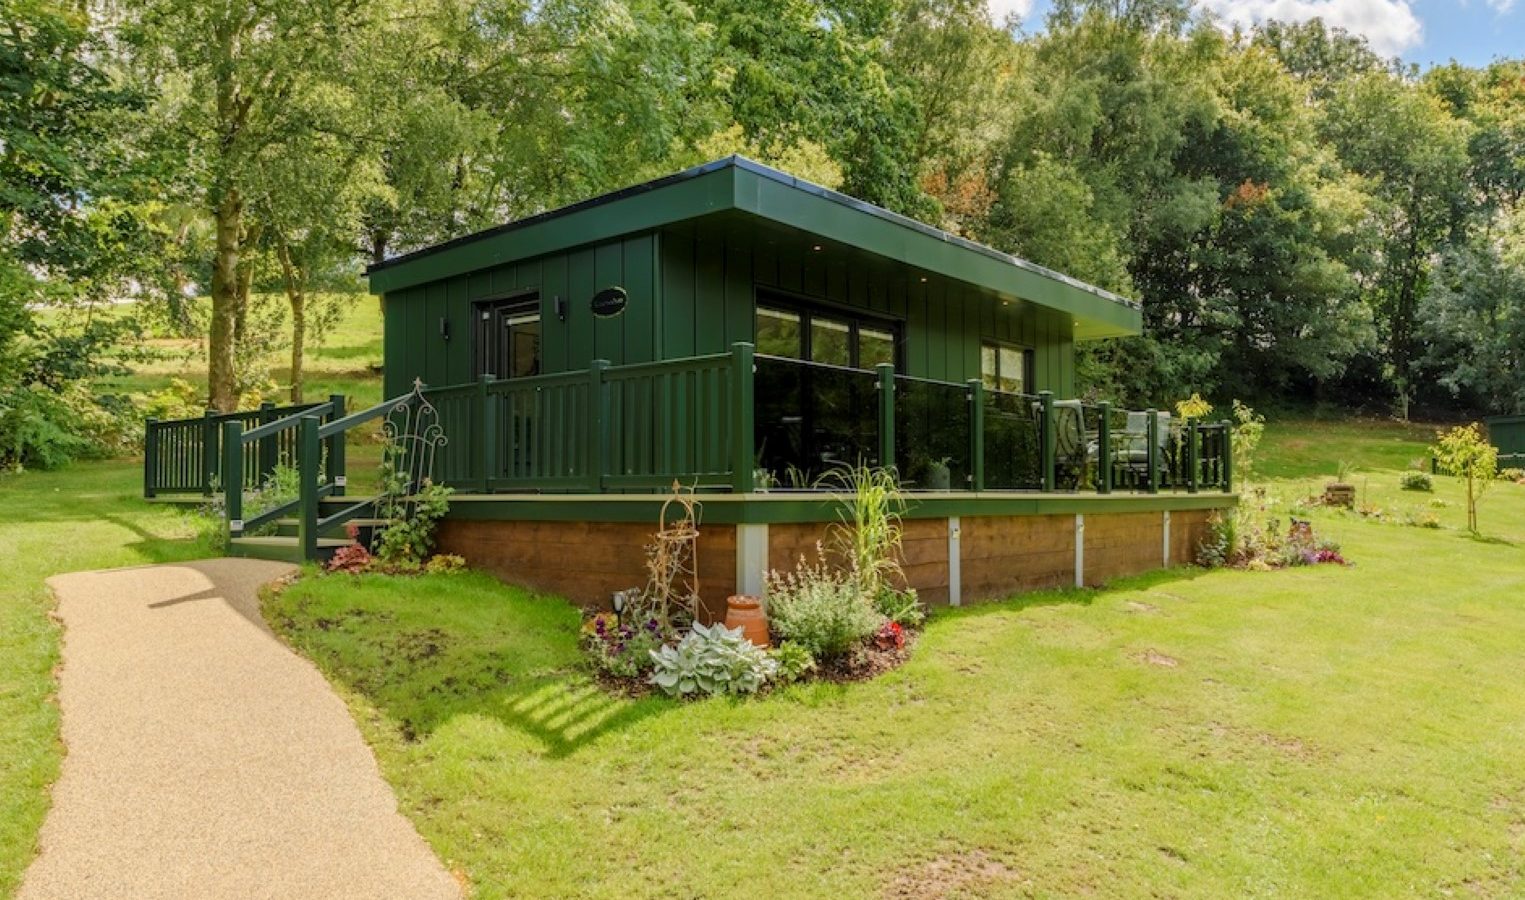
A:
[413,346]
[712,284]
[693,295]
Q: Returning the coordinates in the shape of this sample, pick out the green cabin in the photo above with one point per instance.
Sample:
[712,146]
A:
[735,252]
[742,333]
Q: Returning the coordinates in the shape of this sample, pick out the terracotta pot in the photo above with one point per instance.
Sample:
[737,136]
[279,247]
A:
[746,613]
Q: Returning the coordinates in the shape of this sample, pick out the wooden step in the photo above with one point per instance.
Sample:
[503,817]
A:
[288,527]
[281,547]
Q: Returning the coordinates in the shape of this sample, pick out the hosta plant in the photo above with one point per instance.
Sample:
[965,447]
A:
[710,660]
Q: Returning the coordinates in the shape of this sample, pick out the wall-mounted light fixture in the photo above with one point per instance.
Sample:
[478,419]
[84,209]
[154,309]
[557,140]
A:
[444,328]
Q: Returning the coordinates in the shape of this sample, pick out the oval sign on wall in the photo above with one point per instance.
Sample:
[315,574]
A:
[609,302]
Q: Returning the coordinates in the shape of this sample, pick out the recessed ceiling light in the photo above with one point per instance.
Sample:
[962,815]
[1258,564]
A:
[923,279]
[816,248]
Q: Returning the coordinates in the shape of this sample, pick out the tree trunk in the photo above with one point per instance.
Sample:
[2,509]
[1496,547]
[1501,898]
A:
[297,297]
[221,379]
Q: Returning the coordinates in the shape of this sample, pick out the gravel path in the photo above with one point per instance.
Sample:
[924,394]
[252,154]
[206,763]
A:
[205,759]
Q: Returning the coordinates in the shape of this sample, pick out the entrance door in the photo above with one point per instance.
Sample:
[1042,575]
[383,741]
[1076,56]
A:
[507,337]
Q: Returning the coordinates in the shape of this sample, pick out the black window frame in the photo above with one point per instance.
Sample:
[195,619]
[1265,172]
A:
[1029,362]
[807,308]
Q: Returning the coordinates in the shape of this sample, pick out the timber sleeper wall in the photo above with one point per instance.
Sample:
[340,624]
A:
[949,560]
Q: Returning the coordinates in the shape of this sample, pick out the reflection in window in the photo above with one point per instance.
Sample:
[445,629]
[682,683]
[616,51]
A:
[875,346]
[823,337]
[1004,367]
[778,333]
[523,345]
[830,341]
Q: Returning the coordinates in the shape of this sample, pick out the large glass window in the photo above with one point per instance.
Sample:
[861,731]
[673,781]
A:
[778,333]
[875,346]
[823,337]
[1004,367]
[831,341]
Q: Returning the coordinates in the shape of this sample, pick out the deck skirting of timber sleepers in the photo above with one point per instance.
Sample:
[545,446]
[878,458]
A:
[957,548]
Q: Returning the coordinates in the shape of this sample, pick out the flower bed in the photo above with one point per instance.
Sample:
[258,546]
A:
[843,616]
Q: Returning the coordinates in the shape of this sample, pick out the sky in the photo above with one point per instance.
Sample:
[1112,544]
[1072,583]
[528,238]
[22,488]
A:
[1425,32]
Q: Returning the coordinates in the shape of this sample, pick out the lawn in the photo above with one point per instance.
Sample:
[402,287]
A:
[1322,731]
[87,517]
[1314,732]
[345,360]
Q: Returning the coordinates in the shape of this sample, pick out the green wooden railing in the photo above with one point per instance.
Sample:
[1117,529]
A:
[605,428]
[714,421]
[186,456]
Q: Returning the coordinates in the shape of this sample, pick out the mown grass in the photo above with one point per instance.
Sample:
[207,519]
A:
[1315,732]
[86,517]
[345,360]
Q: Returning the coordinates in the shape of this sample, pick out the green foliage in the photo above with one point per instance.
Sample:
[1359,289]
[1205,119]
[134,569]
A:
[624,650]
[902,606]
[1464,452]
[821,608]
[1246,431]
[711,660]
[1417,481]
[794,662]
[867,533]
[281,486]
[407,539]
[1247,538]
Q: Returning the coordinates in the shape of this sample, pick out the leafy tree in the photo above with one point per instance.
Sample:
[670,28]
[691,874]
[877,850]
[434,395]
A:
[1473,319]
[231,76]
[1464,452]
[1412,153]
[73,232]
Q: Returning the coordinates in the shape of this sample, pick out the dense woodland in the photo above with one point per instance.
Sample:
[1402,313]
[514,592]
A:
[1300,217]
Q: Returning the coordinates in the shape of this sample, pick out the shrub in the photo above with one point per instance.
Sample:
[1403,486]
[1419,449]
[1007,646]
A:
[794,662]
[44,428]
[821,609]
[444,563]
[623,650]
[1242,541]
[711,660]
[408,537]
[353,558]
[903,607]
[1417,481]
[1421,519]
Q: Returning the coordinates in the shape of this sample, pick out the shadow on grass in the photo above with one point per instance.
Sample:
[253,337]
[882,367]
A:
[428,657]
[158,548]
[1073,596]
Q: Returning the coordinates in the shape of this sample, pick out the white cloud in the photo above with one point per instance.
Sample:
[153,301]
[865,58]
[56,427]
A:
[1501,6]
[1000,9]
[1390,25]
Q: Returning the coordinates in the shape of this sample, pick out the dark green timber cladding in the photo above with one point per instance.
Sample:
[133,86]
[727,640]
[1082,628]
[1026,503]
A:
[695,295]
[414,346]
[709,285]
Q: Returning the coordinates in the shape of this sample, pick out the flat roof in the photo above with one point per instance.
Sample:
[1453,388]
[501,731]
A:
[738,183]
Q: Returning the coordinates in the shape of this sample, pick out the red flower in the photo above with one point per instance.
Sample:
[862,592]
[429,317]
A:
[890,637]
